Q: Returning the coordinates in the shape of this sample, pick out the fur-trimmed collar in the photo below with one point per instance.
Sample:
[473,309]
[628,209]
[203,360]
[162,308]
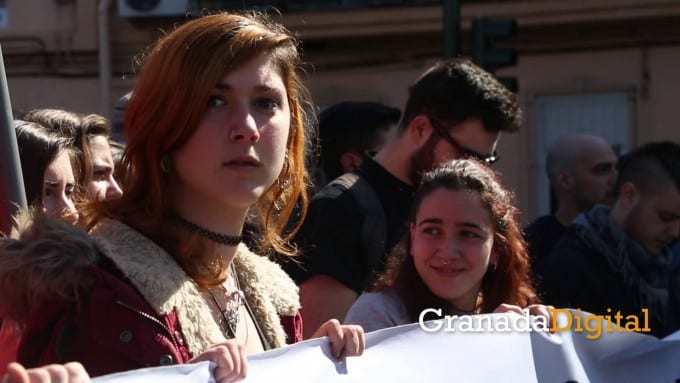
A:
[268,289]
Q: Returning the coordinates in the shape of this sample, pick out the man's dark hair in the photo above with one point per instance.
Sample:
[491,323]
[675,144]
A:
[350,127]
[650,167]
[455,90]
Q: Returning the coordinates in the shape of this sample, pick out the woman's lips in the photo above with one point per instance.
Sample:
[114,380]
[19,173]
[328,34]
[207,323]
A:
[242,164]
[448,271]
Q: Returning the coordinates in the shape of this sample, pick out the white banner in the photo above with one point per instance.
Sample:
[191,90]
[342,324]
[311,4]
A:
[408,353]
[183,373]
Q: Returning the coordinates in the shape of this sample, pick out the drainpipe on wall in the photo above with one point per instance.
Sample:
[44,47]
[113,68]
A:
[104,58]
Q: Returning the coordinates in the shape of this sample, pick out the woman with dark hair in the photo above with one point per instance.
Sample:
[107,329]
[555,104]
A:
[463,253]
[48,171]
[214,127]
[89,137]
[50,187]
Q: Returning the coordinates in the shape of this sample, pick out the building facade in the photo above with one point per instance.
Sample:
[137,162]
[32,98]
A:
[607,67]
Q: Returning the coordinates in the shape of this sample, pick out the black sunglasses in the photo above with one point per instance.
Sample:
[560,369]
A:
[464,152]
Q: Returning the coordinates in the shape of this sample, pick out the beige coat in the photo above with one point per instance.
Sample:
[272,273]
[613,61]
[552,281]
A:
[268,289]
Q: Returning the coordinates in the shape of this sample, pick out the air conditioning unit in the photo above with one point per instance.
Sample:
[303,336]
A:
[152,8]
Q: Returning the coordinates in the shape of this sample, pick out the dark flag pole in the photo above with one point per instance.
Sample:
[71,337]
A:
[451,11]
[12,193]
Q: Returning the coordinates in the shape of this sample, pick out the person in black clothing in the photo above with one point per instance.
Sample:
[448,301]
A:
[454,110]
[617,259]
[582,171]
[347,130]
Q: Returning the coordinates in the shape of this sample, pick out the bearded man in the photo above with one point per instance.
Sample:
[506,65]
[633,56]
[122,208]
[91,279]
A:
[454,110]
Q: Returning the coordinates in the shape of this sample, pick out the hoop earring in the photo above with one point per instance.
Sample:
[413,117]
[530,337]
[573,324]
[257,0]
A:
[283,181]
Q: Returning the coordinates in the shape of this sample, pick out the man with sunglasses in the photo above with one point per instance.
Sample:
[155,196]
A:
[454,110]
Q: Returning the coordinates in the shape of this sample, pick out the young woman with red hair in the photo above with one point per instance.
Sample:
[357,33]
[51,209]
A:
[463,254]
[215,131]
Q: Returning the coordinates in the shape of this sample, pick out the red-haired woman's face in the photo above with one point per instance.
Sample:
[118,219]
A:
[451,245]
[238,150]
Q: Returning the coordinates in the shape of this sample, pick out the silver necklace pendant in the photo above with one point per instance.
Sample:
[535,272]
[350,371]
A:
[229,312]
[229,304]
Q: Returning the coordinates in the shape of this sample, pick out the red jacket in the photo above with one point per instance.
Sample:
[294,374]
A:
[128,318]
[9,342]
[113,329]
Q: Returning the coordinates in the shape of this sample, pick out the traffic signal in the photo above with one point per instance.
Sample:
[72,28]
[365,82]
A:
[485,32]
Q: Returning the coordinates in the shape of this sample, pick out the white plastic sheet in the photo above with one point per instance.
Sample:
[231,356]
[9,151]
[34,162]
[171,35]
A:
[184,373]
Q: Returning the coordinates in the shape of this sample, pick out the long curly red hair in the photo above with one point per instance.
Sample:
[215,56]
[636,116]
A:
[168,102]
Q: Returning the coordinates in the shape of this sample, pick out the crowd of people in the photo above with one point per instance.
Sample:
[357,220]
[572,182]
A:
[213,231]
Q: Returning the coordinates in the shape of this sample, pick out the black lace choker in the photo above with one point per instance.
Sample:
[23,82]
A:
[221,239]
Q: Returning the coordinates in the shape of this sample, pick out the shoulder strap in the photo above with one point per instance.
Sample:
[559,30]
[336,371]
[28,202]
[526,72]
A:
[265,344]
[374,225]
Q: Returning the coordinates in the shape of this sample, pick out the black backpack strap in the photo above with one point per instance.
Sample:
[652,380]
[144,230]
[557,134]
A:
[374,225]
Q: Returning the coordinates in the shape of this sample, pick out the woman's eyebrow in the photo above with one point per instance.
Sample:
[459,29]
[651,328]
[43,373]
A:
[224,86]
[430,220]
[470,224]
[440,221]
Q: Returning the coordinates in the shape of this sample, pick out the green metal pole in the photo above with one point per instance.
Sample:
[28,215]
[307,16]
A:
[451,28]
[12,195]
